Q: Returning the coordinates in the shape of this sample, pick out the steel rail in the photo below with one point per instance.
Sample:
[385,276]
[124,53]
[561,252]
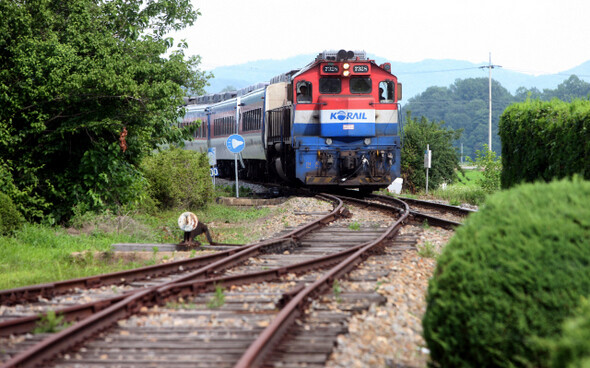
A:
[435,221]
[230,258]
[33,292]
[271,335]
[421,217]
[192,287]
[74,313]
[119,309]
[75,334]
[444,207]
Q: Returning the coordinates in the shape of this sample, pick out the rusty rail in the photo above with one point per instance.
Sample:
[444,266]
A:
[115,309]
[31,293]
[432,220]
[257,351]
[445,207]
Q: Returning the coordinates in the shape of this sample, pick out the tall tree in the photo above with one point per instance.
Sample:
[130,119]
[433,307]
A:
[87,88]
[569,89]
[464,105]
[418,133]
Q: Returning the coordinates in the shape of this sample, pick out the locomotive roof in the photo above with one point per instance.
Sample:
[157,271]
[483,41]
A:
[324,56]
[335,56]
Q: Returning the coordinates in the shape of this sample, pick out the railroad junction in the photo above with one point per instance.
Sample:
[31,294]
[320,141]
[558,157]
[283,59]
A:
[295,277]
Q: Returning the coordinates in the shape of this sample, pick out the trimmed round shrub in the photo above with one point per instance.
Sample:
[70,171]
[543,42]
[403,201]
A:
[572,348]
[179,179]
[510,276]
[10,218]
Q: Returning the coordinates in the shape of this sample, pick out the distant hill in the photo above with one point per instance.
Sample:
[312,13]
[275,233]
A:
[415,77]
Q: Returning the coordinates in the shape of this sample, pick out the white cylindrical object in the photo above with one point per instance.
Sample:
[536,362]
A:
[187,222]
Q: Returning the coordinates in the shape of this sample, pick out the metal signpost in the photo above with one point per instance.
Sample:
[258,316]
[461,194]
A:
[212,156]
[235,144]
[427,163]
[213,172]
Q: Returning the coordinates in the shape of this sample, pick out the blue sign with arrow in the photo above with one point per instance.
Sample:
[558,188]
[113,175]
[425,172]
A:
[235,143]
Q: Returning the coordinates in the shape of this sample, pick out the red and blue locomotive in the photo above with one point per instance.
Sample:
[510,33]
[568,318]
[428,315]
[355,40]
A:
[335,122]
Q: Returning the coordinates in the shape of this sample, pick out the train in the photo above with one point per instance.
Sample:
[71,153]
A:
[335,123]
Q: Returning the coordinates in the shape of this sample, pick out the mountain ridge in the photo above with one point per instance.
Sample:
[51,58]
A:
[415,77]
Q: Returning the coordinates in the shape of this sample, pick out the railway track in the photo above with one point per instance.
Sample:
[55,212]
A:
[259,304]
[428,209]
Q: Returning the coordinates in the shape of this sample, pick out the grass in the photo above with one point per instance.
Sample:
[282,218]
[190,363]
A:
[50,323]
[218,299]
[230,190]
[41,254]
[467,190]
[354,226]
[337,291]
[427,250]
[38,254]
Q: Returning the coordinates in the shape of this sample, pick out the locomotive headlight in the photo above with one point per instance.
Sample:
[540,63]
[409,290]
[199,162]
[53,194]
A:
[346,73]
[345,66]
[329,141]
[367,141]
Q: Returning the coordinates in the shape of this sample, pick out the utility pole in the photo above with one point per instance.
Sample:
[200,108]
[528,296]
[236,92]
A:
[490,67]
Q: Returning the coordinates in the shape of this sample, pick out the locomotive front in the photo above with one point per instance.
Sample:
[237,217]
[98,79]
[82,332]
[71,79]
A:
[346,122]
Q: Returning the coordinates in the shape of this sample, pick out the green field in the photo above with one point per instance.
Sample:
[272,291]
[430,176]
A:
[40,253]
[467,190]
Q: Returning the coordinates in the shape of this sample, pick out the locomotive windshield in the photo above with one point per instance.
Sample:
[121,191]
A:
[360,85]
[330,85]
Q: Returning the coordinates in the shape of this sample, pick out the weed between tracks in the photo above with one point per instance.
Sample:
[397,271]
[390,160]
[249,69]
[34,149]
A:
[337,291]
[218,300]
[427,250]
[50,323]
[354,226]
[181,304]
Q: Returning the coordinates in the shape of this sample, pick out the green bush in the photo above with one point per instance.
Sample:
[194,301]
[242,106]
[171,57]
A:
[179,179]
[27,200]
[445,161]
[545,140]
[572,348]
[510,275]
[491,168]
[105,182]
[10,218]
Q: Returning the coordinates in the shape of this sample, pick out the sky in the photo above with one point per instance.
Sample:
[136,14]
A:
[531,36]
